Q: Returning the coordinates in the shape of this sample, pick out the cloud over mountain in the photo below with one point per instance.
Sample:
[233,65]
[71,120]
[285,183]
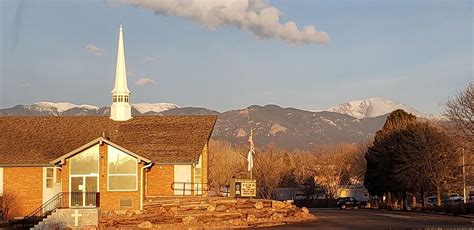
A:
[145,81]
[93,49]
[254,16]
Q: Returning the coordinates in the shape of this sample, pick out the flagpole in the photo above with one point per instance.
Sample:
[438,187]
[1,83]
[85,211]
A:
[250,154]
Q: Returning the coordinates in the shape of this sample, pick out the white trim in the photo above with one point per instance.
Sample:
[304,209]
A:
[98,140]
[83,183]
[1,181]
[142,174]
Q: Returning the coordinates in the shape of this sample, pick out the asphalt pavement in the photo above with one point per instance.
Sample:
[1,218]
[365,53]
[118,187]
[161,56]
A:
[380,219]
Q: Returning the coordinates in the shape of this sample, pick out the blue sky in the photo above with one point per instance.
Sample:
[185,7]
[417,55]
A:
[415,52]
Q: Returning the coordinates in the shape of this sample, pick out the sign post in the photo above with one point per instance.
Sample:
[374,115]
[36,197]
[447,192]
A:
[243,188]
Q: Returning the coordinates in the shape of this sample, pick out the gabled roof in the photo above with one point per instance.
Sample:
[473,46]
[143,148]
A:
[161,139]
[99,140]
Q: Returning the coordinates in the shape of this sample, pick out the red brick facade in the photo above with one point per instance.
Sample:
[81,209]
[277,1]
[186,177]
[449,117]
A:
[159,180]
[26,185]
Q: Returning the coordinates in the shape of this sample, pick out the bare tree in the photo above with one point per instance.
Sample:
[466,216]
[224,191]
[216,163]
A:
[225,162]
[332,168]
[269,169]
[8,201]
[460,110]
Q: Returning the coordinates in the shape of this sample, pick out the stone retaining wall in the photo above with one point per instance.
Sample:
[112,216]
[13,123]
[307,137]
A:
[207,212]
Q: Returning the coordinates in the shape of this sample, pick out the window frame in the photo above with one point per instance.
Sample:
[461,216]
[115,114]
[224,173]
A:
[49,178]
[121,174]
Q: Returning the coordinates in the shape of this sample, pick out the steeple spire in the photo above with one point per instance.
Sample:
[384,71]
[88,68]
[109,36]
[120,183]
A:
[121,109]
[121,71]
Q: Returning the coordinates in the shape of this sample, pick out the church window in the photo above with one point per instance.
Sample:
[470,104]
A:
[126,98]
[114,98]
[86,163]
[122,170]
[49,177]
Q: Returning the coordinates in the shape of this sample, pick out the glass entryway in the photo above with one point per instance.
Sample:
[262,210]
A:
[84,191]
[84,178]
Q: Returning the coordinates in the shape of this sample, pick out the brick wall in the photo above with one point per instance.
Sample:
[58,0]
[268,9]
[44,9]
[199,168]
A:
[65,177]
[159,180]
[205,164]
[26,183]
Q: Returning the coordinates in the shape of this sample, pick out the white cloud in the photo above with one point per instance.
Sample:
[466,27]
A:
[254,16]
[145,81]
[149,60]
[131,74]
[93,49]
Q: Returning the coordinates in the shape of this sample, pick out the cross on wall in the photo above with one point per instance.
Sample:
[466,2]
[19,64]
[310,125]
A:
[76,216]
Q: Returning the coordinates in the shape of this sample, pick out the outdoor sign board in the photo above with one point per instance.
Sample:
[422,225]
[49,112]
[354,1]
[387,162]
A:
[243,188]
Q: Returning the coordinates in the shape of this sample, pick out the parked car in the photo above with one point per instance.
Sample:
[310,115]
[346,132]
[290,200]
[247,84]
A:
[456,197]
[350,202]
[432,201]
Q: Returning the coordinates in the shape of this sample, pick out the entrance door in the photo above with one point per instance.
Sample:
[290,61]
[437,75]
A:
[50,187]
[182,180]
[84,191]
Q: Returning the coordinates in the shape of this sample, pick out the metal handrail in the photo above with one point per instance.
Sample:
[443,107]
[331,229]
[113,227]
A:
[60,200]
[190,186]
[51,203]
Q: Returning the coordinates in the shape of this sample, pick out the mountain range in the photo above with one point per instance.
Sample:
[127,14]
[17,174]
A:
[351,122]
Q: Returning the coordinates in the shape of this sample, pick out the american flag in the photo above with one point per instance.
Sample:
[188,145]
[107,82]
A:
[251,152]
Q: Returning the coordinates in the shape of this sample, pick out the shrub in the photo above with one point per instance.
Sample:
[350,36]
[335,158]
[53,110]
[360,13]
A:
[452,208]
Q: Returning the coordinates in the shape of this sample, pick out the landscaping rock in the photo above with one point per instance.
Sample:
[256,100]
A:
[278,204]
[189,219]
[145,224]
[305,210]
[173,210]
[258,205]
[238,222]
[206,212]
[221,208]
[251,218]
[276,216]
[211,208]
[111,214]
[130,213]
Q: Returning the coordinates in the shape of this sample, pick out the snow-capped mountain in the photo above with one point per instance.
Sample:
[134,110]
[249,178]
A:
[374,107]
[69,109]
[59,107]
[154,107]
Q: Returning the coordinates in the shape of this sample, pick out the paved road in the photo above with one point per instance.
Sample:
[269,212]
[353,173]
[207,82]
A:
[380,219]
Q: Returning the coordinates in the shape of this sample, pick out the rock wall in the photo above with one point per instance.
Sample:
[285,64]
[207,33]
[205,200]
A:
[207,212]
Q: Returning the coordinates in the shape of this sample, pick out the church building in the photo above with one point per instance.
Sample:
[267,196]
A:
[102,162]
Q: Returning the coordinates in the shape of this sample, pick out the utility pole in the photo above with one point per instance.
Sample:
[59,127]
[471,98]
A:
[464,175]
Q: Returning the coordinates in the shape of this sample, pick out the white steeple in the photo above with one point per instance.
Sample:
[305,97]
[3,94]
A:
[121,110]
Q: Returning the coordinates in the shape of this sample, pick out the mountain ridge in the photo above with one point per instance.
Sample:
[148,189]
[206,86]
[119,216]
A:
[375,106]
[289,128]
